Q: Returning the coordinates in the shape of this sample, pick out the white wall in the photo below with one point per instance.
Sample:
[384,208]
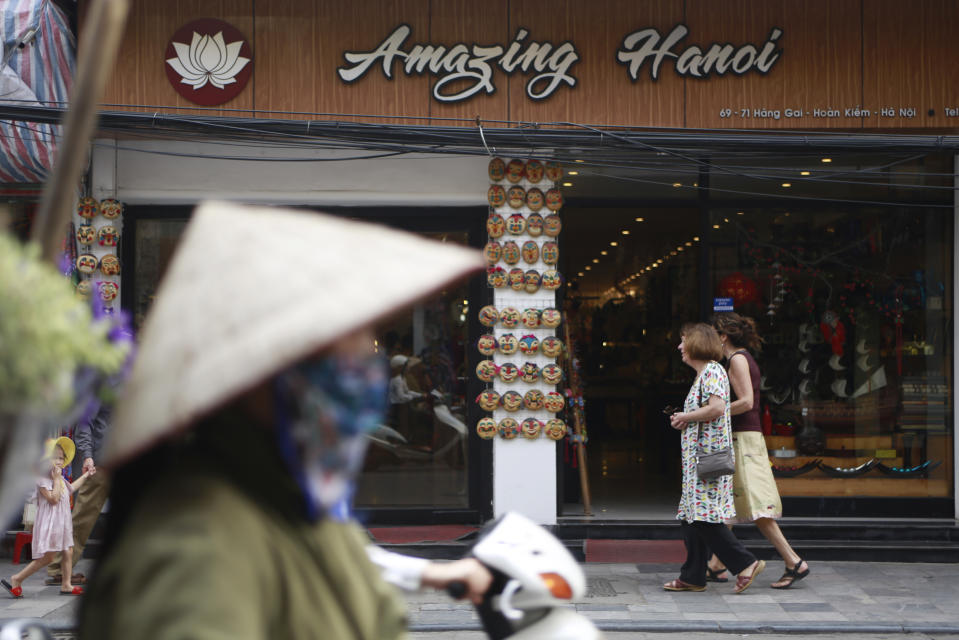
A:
[185,172]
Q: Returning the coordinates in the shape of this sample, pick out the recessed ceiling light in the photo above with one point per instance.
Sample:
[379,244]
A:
[680,248]
[695,238]
[689,244]
[804,173]
[739,213]
[660,261]
[725,219]
[695,184]
[614,244]
[715,226]
[625,232]
[579,160]
[640,219]
[587,268]
[604,252]
[672,253]
[567,184]
[786,185]
[580,274]
[595,260]
[572,173]
[677,184]
[827,159]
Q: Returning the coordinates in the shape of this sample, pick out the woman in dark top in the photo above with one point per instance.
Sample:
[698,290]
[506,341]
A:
[754,489]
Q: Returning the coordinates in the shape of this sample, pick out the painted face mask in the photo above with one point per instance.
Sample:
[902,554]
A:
[497,169]
[323,409]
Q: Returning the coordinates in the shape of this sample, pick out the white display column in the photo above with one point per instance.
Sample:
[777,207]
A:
[524,464]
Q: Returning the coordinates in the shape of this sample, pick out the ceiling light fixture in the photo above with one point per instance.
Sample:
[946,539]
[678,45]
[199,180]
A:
[625,232]
[786,185]
[677,184]
[804,173]
[604,252]
[572,173]
[595,260]
[739,213]
[567,184]
[614,244]
[640,219]
[827,160]
[587,268]
[580,274]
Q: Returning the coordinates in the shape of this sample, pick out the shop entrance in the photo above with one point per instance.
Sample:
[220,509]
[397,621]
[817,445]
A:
[625,341]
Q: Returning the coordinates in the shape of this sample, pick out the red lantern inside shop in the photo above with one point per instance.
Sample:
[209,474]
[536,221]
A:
[740,288]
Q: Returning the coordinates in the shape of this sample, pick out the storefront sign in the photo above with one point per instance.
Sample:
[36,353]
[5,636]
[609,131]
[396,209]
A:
[208,61]
[465,70]
[472,64]
[717,59]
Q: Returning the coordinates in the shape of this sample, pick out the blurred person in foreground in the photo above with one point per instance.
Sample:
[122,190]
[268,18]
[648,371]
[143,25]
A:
[705,505]
[242,428]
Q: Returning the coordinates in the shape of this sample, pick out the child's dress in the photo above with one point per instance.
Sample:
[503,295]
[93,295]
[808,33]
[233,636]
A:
[53,527]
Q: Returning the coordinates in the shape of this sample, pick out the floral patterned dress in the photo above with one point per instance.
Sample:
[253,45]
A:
[706,500]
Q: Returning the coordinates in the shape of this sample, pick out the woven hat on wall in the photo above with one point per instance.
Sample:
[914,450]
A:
[251,290]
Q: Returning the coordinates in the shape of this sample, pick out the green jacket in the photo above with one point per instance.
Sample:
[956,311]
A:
[218,550]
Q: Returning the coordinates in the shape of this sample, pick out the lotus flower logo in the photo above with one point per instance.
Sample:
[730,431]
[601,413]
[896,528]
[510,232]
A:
[214,67]
[208,60]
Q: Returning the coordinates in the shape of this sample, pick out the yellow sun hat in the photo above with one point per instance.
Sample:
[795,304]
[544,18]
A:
[65,443]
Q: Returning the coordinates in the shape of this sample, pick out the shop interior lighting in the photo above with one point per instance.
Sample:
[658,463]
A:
[689,244]
[587,268]
[580,274]
[672,253]
[660,261]
[640,219]
[726,220]
[786,185]
[739,213]
[614,244]
[604,252]
[715,226]
[578,160]
[595,260]
[827,160]
[804,173]
[572,173]
[677,184]
[567,184]
[680,248]
[695,238]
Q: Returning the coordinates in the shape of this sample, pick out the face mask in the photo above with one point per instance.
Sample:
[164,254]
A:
[324,408]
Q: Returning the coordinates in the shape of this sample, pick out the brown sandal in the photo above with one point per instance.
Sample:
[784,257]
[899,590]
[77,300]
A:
[743,582]
[76,578]
[679,585]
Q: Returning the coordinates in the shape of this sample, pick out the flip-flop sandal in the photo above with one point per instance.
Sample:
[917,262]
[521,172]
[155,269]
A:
[16,592]
[743,582]
[713,576]
[77,591]
[679,585]
[792,575]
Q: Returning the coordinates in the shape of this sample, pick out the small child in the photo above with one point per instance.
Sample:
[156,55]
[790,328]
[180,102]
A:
[53,527]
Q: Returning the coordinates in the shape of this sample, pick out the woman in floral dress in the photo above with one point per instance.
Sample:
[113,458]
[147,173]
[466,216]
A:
[705,505]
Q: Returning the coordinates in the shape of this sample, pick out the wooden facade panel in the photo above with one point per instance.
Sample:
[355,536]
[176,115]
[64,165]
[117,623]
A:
[140,72]
[909,59]
[310,39]
[485,24]
[819,68]
[603,95]
[836,55]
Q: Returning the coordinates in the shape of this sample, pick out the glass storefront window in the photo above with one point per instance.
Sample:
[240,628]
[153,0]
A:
[855,305]
[418,457]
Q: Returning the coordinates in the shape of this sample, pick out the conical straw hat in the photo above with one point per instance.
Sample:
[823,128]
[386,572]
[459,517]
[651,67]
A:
[251,290]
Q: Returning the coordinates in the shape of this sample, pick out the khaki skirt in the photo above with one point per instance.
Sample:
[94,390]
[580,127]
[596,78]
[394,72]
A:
[754,489]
